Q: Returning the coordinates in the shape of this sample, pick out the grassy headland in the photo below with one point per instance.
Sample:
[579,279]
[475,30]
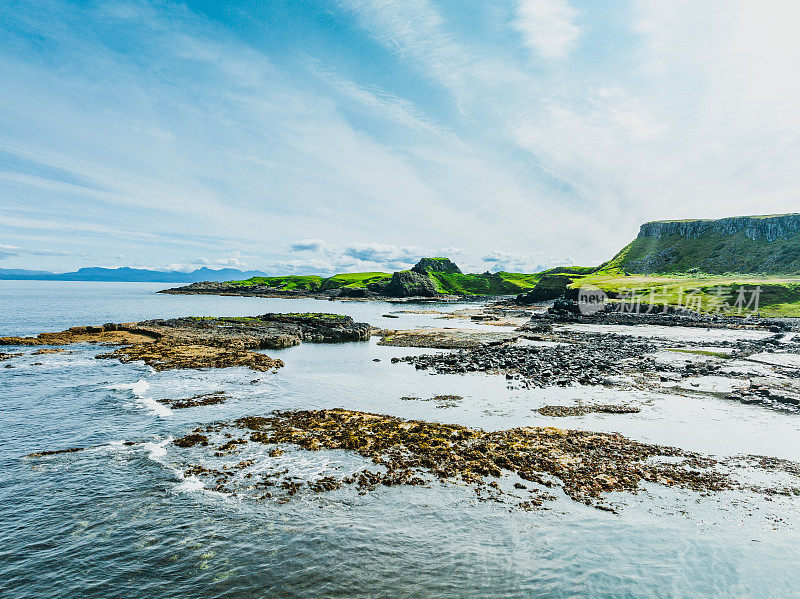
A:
[697,264]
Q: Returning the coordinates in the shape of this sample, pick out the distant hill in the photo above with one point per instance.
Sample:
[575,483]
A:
[430,277]
[767,245]
[126,274]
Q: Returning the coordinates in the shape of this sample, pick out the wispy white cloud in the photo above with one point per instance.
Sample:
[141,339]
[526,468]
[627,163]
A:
[508,261]
[412,125]
[8,250]
[548,27]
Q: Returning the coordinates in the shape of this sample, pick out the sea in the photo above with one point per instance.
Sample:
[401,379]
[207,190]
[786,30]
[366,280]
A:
[121,518]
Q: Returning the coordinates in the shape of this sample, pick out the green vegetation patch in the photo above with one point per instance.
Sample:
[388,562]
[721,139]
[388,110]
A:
[354,280]
[778,296]
[287,283]
[481,284]
[714,254]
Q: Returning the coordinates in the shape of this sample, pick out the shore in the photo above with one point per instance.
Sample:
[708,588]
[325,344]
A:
[532,348]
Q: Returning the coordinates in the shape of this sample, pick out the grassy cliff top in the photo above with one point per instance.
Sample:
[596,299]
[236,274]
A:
[695,220]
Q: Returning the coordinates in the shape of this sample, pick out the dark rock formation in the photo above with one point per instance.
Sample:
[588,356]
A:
[585,465]
[426,265]
[407,283]
[548,288]
[767,228]
[590,362]
[207,342]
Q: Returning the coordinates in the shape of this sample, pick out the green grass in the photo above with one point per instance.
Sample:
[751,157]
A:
[314,282]
[354,280]
[714,253]
[500,283]
[521,280]
[780,296]
[290,282]
[504,283]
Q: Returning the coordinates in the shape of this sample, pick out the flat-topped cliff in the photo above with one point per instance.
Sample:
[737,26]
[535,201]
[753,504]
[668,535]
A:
[742,244]
[764,228]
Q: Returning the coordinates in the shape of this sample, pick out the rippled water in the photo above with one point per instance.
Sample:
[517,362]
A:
[120,520]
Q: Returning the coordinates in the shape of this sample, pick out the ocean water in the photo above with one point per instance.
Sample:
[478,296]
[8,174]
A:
[120,519]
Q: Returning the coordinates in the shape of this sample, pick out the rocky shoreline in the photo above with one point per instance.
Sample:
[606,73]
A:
[207,342]
[349,294]
[586,466]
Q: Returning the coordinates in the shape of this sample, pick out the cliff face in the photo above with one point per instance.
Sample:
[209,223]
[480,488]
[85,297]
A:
[742,245]
[766,228]
[426,265]
[409,283]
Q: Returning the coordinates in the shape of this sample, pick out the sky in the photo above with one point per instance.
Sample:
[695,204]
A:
[358,135]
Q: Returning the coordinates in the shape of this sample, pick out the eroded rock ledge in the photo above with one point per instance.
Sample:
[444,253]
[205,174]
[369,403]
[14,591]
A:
[207,342]
[585,465]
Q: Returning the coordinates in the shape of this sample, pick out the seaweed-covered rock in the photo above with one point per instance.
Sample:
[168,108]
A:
[208,342]
[586,465]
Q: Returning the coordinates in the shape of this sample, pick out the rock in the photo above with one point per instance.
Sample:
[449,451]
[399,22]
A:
[548,288]
[426,265]
[203,399]
[586,465]
[407,283]
[208,342]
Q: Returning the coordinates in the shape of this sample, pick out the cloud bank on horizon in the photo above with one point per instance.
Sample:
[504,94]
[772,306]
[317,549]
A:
[362,134]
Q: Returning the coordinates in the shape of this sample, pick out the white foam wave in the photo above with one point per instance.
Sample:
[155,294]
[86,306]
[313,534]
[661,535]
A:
[153,405]
[157,450]
[139,390]
[190,484]
[140,387]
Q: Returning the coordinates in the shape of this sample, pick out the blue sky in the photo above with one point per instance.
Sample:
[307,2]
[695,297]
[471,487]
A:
[361,134]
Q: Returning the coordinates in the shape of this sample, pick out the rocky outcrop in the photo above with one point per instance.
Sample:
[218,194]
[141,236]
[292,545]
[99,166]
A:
[426,265]
[548,288]
[208,342]
[766,228]
[216,288]
[584,465]
[407,283]
[761,245]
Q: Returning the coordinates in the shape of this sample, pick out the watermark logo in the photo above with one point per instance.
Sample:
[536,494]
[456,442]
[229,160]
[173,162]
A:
[722,300]
[591,299]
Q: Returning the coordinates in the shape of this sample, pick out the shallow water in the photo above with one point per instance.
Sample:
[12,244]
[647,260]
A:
[122,521]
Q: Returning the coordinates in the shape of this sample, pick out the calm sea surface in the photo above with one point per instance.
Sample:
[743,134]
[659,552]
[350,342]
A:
[120,520]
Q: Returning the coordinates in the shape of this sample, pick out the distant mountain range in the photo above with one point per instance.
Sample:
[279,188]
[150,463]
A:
[126,274]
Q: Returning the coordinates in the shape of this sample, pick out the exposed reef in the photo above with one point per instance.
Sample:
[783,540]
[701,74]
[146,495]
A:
[207,342]
[585,465]
[202,399]
[444,338]
[591,361]
[563,411]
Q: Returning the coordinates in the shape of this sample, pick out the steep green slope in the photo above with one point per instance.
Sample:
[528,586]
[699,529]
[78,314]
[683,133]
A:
[762,245]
